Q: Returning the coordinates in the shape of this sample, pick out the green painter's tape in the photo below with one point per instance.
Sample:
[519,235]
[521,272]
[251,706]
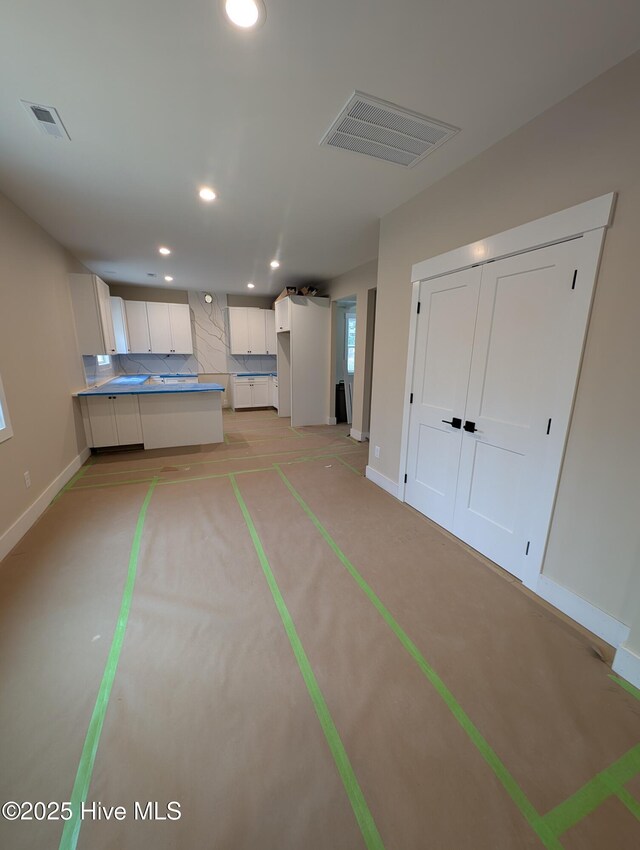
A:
[490,756]
[70,483]
[348,465]
[607,783]
[80,791]
[630,802]
[629,688]
[364,818]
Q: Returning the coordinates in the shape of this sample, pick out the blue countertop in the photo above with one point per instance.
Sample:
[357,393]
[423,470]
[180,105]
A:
[254,374]
[135,385]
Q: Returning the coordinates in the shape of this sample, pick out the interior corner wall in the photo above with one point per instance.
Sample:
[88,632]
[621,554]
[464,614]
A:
[358,282]
[39,362]
[585,146]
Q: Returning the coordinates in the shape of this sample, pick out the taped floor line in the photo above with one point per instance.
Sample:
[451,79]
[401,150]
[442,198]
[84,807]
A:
[359,805]
[510,785]
[71,829]
[71,482]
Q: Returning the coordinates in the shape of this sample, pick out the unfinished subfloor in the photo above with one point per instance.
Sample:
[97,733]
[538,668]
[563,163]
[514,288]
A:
[257,632]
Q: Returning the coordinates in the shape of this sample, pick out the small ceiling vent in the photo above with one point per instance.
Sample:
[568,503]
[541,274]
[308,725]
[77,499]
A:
[383,130]
[46,119]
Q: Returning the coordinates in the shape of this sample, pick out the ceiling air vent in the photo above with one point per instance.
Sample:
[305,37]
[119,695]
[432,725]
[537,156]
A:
[385,131]
[46,119]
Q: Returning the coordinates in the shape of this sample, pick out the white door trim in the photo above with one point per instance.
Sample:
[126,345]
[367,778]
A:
[559,227]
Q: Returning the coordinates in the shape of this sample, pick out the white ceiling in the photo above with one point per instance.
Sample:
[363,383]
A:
[161,96]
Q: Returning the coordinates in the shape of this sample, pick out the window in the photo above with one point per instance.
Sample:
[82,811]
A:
[103,359]
[350,342]
[6,430]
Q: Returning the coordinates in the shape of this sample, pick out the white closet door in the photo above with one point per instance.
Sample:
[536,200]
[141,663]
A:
[444,341]
[519,375]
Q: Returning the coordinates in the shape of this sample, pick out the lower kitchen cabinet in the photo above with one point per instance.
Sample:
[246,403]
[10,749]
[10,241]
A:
[249,391]
[113,420]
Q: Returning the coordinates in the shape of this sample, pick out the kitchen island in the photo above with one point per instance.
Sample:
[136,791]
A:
[158,411]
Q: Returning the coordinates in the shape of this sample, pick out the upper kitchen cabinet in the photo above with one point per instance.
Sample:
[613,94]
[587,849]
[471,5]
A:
[283,315]
[120,328]
[251,331]
[169,328]
[138,325]
[92,312]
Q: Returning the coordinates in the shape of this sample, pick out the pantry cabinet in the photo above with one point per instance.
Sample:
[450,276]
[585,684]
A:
[92,313]
[251,331]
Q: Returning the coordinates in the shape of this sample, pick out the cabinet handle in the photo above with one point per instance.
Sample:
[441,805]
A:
[454,422]
[470,427]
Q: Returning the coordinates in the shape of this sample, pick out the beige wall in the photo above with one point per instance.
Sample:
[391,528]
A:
[134,292]
[357,282]
[586,146]
[39,361]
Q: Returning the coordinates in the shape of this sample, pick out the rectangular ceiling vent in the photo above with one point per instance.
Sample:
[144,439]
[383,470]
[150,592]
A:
[46,119]
[383,130]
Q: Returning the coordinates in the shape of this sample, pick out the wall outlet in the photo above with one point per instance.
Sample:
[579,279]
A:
[376,451]
[27,479]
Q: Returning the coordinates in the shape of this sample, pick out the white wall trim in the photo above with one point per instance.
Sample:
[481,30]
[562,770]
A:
[383,482]
[360,436]
[331,420]
[627,664]
[556,227]
[583,612]
[24,522]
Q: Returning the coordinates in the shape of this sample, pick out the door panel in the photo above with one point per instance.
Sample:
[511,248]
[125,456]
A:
[444,342]
[525,303]
[138,324]
[260,395]
[159,327]
[257,331]
[103,421]
[180,319]
[270,331]
[127,414]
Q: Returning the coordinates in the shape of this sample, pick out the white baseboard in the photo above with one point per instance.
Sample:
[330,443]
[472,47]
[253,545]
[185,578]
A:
[627,664]
[24,522]
[331,420]
[583,612]
[360,436]
[382,481]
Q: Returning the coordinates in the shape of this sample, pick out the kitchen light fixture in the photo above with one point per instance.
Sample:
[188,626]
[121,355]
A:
[207,194]
[164,250]
[251,285]
[274,264]
[245,13]
[168,278]
[208,297]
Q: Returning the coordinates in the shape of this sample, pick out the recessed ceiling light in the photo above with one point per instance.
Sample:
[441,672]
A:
[274,264]
[245,13]
[164,250]
[168,278]
[207,194]
[251,285]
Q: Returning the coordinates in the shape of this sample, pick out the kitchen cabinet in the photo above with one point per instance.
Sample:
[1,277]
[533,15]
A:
[283,315]
[92,313]
[159,328]
[114,420]
[138,326]
[251,331]
[120,329]
[273,391]
[249,391]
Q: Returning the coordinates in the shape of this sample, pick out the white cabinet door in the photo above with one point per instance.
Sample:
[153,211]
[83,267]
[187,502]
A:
[242,395]
[257,331]
[283,314]
[270,331]
[138,324]
[273,390]
[181,338]
[127,416]
[103,421]
[238,330]
[159,327]
[444,341]
[104,306]
[120,329]
[260,393]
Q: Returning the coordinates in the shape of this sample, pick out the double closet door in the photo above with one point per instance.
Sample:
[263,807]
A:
[496,359]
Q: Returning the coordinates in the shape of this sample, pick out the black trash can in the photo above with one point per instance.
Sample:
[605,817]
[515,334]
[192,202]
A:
[341,404]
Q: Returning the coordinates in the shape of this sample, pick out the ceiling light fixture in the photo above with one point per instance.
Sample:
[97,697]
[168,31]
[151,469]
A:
[164,250]
[168,278]
[208,297]
[245,13]
[274,264]
[207,194]
[251,285]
